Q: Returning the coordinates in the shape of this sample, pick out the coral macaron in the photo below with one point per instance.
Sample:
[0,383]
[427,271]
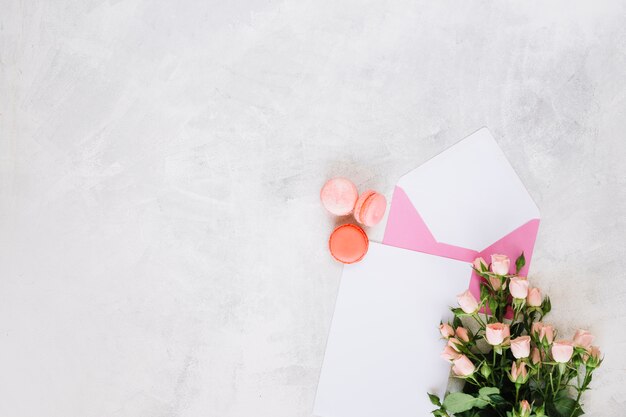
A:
[370,208]
[338,196]
[348,243]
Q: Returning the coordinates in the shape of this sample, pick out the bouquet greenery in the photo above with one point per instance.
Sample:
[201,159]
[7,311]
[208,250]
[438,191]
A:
[511,364]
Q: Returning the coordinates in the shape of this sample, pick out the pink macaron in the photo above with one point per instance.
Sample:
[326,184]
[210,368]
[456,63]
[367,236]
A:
[370,208]
[348,243]
[338,196]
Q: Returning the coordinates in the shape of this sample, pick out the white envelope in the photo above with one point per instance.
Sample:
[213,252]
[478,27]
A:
[382,355]
[464,203]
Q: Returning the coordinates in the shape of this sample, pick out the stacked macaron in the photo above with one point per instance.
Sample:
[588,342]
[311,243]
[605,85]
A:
[370,208]
[348,243]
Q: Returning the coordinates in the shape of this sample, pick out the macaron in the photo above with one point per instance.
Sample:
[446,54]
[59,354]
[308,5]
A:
[370,208]
[348,243]
[338,196]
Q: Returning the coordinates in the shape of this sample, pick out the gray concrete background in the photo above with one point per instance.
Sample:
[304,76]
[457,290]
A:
[162,247]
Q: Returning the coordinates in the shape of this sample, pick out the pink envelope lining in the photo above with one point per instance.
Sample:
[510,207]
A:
[406,229]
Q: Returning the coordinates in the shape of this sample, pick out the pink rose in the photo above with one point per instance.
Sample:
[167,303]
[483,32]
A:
[500,264]
[454,343]
[496,282]
[521,347]
[446,330]
[547,332]
[479,263]
[507,336]
[592,357]
[519,287]
[543,332]
[463,367]
[496,333]
[450,354]
[536,327]
[593,352]
[534,297]
[583,339]
[461,334]
[524,408]
[467,302]
[519,373]
[535,356]
[562,351]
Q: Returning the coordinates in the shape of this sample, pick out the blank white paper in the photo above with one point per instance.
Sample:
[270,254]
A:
[382,354]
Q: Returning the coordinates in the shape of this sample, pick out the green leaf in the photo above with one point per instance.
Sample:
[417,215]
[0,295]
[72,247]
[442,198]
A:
[546,306]
[564,406]
[497,399]
[485,370]
[540,411]
[484,291]
[434,399]
[480,403]
[457,402]
[485,392]
[459,312]
[519,263]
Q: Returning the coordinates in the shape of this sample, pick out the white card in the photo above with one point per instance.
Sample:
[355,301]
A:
[382,354]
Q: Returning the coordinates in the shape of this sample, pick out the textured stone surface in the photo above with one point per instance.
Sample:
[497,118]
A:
[162,246]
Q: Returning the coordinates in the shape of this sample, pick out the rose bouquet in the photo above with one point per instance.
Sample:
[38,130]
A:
[511,362]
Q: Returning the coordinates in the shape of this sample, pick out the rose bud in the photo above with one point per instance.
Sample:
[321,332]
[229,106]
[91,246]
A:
[500,264]
[496,282]
[463,367]
[535,356]
[496,333]
[450,354]
[480,264]
[519,287]
[562,351]
[519,374]
[583,339]
[594,351]
[547,333]
[544,332]
[521,347]
[525,409]
[507,336]
[534,297]
[592,358]
[446,330]
[454,344]
[461,334]
[468,303]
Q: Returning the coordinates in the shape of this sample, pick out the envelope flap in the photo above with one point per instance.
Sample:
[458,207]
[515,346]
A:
[469,195]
